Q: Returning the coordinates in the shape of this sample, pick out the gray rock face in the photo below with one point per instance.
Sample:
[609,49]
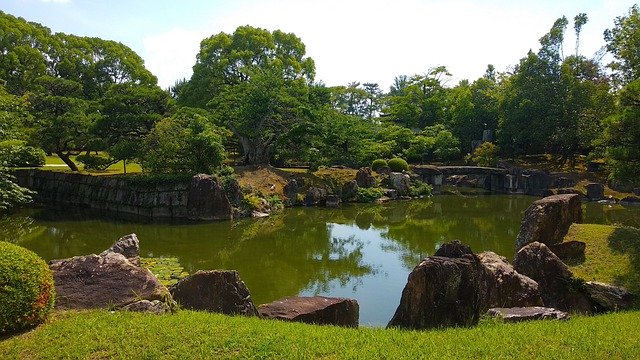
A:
[390,193]
[401,182]
[152,307]
[517,314]
[206,199]
[365,178]
[536,181]
[558,288]
[595,191]
[315,196]
[290,190]
[440,292]
[129,246]
[219,291]
[547,220]
[503,286]
[350,190]
[609,297]
[313,310]
[569,252]
[93,281]
[333,201]
[454,249]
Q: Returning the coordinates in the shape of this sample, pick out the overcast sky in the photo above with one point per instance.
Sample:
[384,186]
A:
[350,40]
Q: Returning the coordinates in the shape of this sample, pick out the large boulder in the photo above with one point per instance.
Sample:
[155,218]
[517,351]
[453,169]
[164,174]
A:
[220,291]
[558,287]
[93,281]
[401,182]
[207,200]
[609,297]
[333,201]
[313,310]
[570,252]
[547,220]
[129,246]
[350,190]
[440,292]
[595,191]
[453,249]
[315,196]
[290,190]
[517,314]
[502,286]
[536,182]
[365,178]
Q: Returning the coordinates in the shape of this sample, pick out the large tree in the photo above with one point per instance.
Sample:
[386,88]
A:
[623,41]
[256,82]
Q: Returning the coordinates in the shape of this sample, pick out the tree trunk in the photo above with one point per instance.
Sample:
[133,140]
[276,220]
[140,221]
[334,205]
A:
[67,160]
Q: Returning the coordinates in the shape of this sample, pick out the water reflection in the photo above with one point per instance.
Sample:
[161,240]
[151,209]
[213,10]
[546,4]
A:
[359,251]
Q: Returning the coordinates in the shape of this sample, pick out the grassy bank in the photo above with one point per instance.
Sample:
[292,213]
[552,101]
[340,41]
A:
[192,335]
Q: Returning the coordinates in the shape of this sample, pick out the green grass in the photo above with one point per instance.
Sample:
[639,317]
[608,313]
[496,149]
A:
[193,335]
[54,163]
[612,255]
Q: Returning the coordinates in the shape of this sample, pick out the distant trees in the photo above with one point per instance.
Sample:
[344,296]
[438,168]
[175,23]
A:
[623,42]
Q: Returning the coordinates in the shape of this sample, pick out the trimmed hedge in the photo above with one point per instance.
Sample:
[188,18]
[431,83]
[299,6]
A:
[378,163]
[398,165]
[26,288]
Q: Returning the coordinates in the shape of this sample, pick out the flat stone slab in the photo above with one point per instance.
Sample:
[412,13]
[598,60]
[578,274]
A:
[313,310]
[516,314]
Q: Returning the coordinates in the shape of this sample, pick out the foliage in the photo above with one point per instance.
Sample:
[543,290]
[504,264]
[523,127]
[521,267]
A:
[95,162]
[363,101]
[14,116]
[623,41]
[398,165]
[186,142]
[167,270]
[447,146]
[420,188]
[367,195]
[485,155]
[622,136]
[15,153]
[26,285]
[252,202]
[378,163]
[11,195]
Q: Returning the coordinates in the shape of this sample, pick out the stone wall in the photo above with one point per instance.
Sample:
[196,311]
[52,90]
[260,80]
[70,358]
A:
[179,199]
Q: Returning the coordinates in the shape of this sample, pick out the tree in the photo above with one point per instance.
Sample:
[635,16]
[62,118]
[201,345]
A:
[623,41]
[256,82]
[11,195]
[622,136]
[186,142]
[14,116]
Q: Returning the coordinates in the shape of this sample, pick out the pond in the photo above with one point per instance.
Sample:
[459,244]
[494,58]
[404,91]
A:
[359,251]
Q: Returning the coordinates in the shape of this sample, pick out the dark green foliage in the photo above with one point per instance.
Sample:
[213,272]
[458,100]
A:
[378,163]
[95,162]
[15,153]
[420,188]
[398,165]
[11,195]
[485,155]
[623,41]
[366,195]
[26,288]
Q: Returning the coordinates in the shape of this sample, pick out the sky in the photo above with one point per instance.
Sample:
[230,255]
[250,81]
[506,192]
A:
[349,40]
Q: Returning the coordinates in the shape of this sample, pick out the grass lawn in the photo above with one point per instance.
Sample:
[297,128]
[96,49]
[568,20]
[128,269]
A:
[54,163]
[199,335]
[612,255]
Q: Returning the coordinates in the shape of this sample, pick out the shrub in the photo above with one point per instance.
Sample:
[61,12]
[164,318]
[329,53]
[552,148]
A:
[26,288]
[95,162]
[485,155]
[15,153]
[420,188]
[398,165]
[366,195]
[378,163]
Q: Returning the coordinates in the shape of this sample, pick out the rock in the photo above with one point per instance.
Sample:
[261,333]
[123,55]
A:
[516,314]
[220,291]
[609,297]
[595,191]
[350,190]
[290,190]
[315,196]
[234,192]
[313,310]
[440,292]
[390,193]
[564,182]
[333,201]
[152,307]
[563,191]
[92,281]
[636,191]
[384,170]
[547,220]
[365,178]
[259,214]
[401,182]
[570,252]
[455,249]
[558,288]
[129,246]
[206,199]
[503,286]
[536,181]
[631,199]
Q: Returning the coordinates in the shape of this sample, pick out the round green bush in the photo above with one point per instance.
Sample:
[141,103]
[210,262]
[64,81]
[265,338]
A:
[26,288]
[398,165]
[15,153]
[378,163]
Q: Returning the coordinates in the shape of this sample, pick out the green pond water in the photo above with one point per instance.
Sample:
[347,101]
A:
[359,251]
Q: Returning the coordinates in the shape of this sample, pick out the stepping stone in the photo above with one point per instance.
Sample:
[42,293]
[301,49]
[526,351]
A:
[517,314]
